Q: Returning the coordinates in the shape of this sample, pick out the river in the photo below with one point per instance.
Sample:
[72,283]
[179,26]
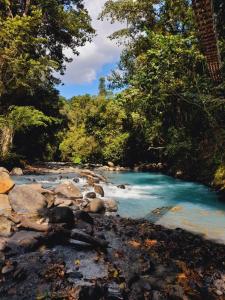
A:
[161,199]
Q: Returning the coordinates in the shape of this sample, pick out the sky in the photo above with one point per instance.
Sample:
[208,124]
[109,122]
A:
[96,59]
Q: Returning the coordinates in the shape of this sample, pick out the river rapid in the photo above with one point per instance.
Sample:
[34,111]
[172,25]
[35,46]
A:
[158,198]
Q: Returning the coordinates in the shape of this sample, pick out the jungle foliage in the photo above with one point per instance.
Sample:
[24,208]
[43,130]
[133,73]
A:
[169,108]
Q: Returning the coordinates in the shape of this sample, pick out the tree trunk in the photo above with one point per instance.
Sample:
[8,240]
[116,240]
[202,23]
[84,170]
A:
[6,140]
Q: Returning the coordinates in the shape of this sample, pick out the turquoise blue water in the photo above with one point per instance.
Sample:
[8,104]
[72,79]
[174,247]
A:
[158,198]
[182,204]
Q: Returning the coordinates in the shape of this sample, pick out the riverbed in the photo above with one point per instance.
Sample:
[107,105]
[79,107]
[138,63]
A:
[158,198]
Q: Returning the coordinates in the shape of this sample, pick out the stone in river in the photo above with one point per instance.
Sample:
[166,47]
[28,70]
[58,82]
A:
[121,186]
[68,190]
[91,195]
[26,200]
[111,205]
[99,190]
[6,183]
[16,172]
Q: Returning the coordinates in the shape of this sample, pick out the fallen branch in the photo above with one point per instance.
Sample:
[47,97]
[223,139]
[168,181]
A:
[84,237]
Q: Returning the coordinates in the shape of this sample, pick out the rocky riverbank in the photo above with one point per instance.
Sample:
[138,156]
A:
[67,243]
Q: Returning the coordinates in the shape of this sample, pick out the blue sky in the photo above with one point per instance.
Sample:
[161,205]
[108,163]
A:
[69,90]
[96,59]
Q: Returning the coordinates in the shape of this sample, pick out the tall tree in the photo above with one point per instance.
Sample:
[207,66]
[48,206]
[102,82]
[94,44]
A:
[102,87]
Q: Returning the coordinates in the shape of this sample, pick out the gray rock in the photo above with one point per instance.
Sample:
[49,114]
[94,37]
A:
[24,240]
[16,172]
[68,190]
[26,200]
[99,190]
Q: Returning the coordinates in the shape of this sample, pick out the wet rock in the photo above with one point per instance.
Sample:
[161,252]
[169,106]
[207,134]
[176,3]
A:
[91,195]
[68,190]
[16,172]
[5,226]
[76,179]
[6,183]
[5,206]
[26,200]
[121,186]
[59,215]
[111,205]
[99,190]
[96,206]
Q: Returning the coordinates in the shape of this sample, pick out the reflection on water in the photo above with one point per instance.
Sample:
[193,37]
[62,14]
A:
[159,198]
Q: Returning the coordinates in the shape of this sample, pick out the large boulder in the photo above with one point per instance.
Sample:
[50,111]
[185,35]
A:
[26,200]
[38,187]
[5,206]
[6,183]
[62,202]
[5,227]
[96,206]
[2,169]
[16,172]
[68,190]
[99,190]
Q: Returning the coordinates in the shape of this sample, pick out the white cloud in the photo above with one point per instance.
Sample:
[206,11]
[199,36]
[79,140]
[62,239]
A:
[94,55]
